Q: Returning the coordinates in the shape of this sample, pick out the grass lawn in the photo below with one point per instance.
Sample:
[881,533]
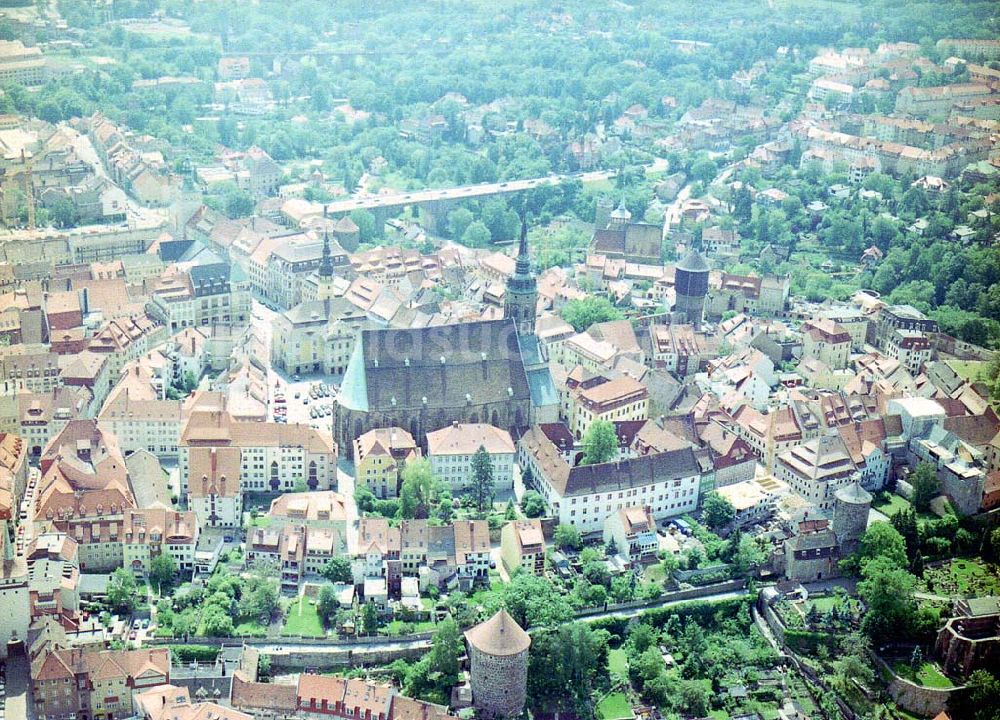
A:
[600,186]
[927,674]
[615,707]
[302,619]
[251,629]
[618,663]
[654,574]
[895,505]
[261,521]
[967,369]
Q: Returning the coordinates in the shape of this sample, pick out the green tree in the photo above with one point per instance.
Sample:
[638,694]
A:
[532,601]
[419,490]
[716,510]
[600,443]
[533,504]
[476,235]
[216,622]
[238,203]
[369,618]
[459,221]
[327,604]
[368,228]
[482,489]
[338,570]
[162,570]
[749,555]
[882,540]
[64,213]
[565,666]
[567,537]
[122,590]
[853,664]
[979,699]
[259,599]
[581,314]
[926,486]
[447,649]
[887,591]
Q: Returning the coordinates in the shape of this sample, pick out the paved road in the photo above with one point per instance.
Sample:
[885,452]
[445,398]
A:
[401,199]
[18,705]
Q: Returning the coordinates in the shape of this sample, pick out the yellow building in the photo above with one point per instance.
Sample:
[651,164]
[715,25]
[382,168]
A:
[522,545]
[616,400]
[379,457]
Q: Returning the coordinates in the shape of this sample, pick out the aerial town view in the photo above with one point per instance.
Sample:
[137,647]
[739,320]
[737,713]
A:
[496,359]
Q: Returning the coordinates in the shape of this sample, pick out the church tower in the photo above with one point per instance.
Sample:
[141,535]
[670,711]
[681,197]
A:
[521,297]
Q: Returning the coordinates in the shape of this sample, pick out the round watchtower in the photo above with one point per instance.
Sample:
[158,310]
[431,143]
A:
[498,659]
[691,287]
[850,515]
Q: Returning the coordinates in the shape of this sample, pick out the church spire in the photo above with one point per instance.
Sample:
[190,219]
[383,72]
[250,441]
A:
[326,264]
[523,266]
[521,296]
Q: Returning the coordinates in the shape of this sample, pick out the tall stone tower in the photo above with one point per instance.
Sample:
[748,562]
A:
[691,287]
[850,515]
[521,297]
[498,656]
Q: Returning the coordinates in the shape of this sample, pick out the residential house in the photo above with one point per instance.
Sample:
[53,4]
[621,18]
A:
[522,546]
[452,449]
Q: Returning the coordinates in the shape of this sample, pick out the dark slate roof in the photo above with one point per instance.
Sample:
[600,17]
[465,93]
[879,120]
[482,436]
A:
[694,261]
[643,242]
[631,473]
[607,241]
[173,250]
[445,366]
[210,279]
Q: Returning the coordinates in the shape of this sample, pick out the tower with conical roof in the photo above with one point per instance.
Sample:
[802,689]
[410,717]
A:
[691,287]
[850,515]
[498,658]
[521,296]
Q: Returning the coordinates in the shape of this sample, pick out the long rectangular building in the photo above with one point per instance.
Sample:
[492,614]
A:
[584,495]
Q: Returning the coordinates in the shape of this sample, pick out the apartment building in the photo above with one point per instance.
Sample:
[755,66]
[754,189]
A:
[158,530]
[53,576]
[213,486]
[522,547]
[584,495]
[316,336]
[461,549]
[319,697]
[452,449]
[71,684]
[269,456]
[379,457]
[214,294]
[816,469]
[42,415]
[615,400]
[826,341]
[21,65]
[84,492]
[632,530]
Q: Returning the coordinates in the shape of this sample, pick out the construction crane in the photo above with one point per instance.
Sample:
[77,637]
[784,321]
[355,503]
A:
[29,195]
